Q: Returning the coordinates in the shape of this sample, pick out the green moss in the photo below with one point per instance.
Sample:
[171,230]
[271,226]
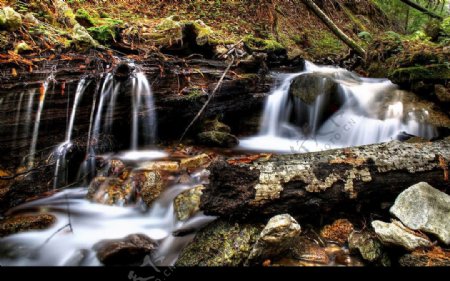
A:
[354,19]
[84,18]
[203,32]
[220,244]
[103,33]
[263,45]
[429,72]
[325,43]
[445,26]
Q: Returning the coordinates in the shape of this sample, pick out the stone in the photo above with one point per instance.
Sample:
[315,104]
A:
[116,168]
[217,139]
[82,39]
[188,203]
[308,87]
[442,93]
[195,162]
[131,250]
[170,166]
[10,20]
[23,223]
[338,231]
[109,191]
[422,207]
[215,125]
[221,243]
[149,184]
[397,234]
[306,250]
[369,247]
[276,238]
[433,257]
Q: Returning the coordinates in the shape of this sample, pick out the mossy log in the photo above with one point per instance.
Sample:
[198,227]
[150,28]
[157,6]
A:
[322,183]
[421,9]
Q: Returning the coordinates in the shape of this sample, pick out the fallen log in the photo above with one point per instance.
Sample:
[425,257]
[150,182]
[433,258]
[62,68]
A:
[422,9]
[321,183]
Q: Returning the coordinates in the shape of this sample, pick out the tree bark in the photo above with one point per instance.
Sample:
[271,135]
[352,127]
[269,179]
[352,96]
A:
[320,183]
[421,9]
[334,28]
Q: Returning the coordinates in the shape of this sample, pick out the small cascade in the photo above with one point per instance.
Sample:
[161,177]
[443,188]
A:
[324,108]
[92,223]
[62,149]
[42,94]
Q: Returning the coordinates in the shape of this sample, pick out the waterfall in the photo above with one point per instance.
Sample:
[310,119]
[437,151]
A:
[336,108]
[62,149]
[42,95]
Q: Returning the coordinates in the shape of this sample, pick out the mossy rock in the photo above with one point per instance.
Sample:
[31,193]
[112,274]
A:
[221,243]
[421,73]
[217,139]
[81,38]
[104,33]
[263,45]
[10,20]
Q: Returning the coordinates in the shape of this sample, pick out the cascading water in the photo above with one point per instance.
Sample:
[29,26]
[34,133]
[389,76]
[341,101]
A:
[354,112]
[42,95]
[58,246]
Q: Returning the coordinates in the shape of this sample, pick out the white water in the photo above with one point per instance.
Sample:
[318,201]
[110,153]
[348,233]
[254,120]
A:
[62,149]
[92,223]
[356,122]
[37,120]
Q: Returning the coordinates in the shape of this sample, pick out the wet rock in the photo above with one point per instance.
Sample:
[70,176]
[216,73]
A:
[422,207]
[170,166]
[131,250]
[217,139]
[308,87]
[442,93]
[306,250]
[276,238]
[215,125]
[109,191]
[81,38]
[397,234]
[195,162]
[188,203]
[369,247]
[338,231]
[149,184]
[221,243]
[117,169]
[434,257]
[10,20]
[23,223]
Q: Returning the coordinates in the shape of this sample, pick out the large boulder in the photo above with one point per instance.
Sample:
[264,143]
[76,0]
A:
[309,86]
[148,183]
[10,20]
[422,207]
[221,243]
[276,238]
[397,234]
[132,250]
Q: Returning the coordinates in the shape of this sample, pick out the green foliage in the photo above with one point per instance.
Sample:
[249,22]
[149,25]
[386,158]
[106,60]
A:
[267,45]
[366,36]
[84,18]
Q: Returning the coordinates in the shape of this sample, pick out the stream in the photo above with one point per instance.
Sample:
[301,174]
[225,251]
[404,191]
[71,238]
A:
[356,112]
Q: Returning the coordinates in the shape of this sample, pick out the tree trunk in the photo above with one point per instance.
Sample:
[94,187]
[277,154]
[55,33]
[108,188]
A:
[323,183]
[334,28]
[421,9]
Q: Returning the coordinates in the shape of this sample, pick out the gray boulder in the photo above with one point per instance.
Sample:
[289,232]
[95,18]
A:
[422,207]
[397,234]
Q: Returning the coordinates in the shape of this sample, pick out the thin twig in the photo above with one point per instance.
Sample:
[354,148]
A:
[24,173]
[207,102]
